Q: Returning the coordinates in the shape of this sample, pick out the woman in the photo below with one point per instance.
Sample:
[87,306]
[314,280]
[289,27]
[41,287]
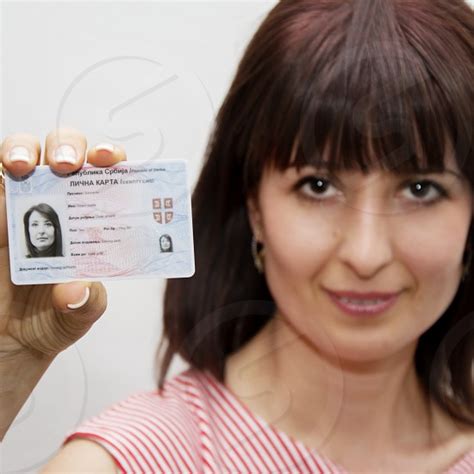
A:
[166,244]
[42,232]
[327,326]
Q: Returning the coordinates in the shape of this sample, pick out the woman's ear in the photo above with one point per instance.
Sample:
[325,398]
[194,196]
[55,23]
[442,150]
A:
[255,218]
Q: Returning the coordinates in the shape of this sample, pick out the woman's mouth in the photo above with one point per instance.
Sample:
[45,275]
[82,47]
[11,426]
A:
[366,305]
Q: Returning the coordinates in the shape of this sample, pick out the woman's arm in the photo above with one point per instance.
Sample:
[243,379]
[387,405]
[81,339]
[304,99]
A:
[81,455]
[37,322]
[18,379]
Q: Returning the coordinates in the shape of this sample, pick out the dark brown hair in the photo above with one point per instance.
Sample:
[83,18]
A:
[385,83]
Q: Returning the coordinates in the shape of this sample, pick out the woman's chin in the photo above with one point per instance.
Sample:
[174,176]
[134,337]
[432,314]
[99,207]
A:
[43,248]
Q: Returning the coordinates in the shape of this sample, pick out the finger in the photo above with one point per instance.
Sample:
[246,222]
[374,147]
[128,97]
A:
[3,216]
[81,302]
[106,154]
[20,153]
[78,305]
[65,150]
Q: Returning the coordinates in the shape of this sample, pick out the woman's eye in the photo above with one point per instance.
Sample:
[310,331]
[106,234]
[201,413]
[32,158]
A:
[314,187]
[426,191]
[422,191]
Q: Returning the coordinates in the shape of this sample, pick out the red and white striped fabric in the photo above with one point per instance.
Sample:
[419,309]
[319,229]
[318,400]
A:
[196,426]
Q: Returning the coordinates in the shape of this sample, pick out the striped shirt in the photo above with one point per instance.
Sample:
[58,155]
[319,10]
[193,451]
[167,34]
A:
[197,425]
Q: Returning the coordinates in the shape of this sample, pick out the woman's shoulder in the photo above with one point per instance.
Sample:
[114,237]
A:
[456,454]
[150,430]
[178,395]
[81,455]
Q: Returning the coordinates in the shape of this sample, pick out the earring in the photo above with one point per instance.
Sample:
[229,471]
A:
[467,261]
[257,254]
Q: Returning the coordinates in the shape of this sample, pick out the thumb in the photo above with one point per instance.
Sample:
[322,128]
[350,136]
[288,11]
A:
[80,304]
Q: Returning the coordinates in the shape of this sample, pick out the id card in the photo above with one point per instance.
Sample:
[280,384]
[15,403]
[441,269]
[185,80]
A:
[130,220]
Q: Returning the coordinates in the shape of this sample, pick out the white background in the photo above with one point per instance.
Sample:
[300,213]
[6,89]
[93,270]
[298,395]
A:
[151,77]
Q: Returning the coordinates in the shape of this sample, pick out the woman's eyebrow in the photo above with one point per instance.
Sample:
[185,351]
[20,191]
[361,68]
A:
[324,166]
[435,171]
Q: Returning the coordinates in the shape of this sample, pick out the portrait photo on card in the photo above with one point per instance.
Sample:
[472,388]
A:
[41,228]
[166,243]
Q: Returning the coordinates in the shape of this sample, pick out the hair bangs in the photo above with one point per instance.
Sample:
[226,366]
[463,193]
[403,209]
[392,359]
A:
[390,132]
[376,97]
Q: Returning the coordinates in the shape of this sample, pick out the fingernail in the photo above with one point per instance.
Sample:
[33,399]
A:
[105,147]
[19,153]
[65,154]
[82,302]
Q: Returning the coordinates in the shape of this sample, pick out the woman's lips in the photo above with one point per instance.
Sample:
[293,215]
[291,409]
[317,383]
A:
[363,304]
[366,295]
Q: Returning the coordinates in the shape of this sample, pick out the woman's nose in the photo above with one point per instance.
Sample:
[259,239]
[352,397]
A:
[366,241]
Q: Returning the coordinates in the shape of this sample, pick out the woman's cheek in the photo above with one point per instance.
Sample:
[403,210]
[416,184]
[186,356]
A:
[297,242]
[431,247]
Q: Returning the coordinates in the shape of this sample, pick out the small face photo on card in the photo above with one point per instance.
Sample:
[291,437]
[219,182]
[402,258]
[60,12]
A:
[42,228]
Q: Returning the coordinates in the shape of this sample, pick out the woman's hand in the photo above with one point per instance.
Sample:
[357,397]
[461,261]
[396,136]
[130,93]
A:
[39,321]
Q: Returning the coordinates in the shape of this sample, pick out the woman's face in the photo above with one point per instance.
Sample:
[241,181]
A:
[165,243]
[41,230]
[372,233]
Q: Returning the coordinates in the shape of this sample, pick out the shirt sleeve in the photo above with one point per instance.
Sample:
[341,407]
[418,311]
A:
[145,434]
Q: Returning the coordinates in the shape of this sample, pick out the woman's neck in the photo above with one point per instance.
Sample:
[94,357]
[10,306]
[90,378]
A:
[343,410]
